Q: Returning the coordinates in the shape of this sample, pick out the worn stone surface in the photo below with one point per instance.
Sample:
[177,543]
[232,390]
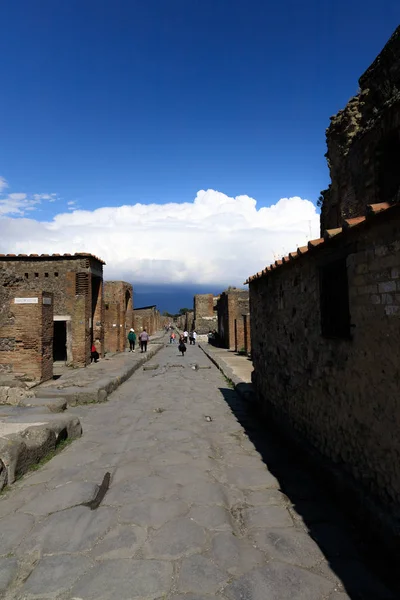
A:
[177,521]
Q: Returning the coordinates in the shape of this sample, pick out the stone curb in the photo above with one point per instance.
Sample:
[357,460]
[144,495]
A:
[20,451]
[244,389]
[98,391]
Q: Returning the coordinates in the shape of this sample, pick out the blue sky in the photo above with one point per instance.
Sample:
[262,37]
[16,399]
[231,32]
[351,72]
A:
[155,124]
[116,102]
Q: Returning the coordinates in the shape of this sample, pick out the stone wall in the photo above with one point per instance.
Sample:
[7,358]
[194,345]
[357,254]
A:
[363,143]
[205,315]
[231,306]
[118,320]
[147,317]
[26,338]
[325,325]
[76,282]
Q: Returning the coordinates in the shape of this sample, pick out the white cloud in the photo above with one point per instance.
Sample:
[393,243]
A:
[214,239]
[3,184]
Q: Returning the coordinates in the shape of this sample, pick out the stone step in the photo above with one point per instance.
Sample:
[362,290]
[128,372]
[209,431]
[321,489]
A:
[53,404]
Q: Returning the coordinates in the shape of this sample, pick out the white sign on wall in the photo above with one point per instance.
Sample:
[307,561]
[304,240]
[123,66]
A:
[26,300]
[46,300]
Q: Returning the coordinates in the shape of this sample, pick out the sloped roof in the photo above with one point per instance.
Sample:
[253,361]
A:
[315,245]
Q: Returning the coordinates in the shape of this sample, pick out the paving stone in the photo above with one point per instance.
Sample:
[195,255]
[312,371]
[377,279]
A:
[195,597]
[251,479]
[266,498]
[203,493]
[8,569]
[140,489]
[289,545]
[199,574]
[267,516]
[12,531]
[211,517]
[276,581]
[235,555]
[121,542]
[153,513]
[175,539]
[54,575]
[130,471]
[184,474]
[126,580]
[72,530]
[65,496]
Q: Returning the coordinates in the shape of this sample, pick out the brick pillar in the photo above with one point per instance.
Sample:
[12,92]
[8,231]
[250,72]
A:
[232,307]
[81,337]
[98,319]
[112,329]
[29,336]
[246,333]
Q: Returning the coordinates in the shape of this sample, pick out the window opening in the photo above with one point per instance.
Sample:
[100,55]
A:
[334,299]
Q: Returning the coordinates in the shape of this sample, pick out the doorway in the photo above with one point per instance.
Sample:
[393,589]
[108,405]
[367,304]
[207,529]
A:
[60,341]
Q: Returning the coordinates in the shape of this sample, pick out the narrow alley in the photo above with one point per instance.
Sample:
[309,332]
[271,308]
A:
[201,504]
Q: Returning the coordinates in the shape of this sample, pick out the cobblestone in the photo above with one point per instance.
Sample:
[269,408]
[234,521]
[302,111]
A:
[192,511]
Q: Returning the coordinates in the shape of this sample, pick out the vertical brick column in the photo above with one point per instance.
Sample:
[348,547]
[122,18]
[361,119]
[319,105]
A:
[98,320]
[29,335]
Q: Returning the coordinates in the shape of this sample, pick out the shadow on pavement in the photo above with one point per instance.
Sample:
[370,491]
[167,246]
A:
[351,555]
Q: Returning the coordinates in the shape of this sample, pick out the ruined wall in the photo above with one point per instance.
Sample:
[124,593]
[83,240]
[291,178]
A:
[147,318]
[339,395]
[231,305]
[363,142]
[76,284]
[26,337]
[205,315]
[118,300]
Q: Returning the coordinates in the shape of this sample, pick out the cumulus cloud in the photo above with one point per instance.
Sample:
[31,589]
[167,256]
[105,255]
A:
[214,239]
[18,203]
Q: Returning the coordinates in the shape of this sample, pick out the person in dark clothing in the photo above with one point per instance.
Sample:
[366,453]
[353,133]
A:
[94,355]
[132,340]
[143,338]
[182,345]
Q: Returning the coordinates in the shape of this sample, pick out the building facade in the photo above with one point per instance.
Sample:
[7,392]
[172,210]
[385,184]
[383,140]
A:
[147,317]
[76,284]
[232,311]
[205,314]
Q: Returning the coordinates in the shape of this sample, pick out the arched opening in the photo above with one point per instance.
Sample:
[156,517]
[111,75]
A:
[389,168]
[127,298]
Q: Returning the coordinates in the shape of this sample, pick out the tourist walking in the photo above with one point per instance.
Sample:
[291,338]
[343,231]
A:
[182,345]
[172,337]
[194,336]
[143,339]
[132,340]
[185,335]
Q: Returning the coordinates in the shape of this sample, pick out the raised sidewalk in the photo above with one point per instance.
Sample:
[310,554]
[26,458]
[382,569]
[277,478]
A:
[237,368]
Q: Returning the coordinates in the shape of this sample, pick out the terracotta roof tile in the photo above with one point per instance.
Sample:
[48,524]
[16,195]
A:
[347,223]
[370,211]
[77,255]
[330,233]
[315,243]
[373,209]
[302,250]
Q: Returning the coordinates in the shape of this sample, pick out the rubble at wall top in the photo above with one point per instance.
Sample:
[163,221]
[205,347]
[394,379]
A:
[51,256]
[371,212]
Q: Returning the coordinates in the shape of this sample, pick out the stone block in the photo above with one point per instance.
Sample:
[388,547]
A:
[387,287]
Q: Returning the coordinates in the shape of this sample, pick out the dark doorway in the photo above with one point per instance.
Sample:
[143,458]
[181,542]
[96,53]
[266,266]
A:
[60,341]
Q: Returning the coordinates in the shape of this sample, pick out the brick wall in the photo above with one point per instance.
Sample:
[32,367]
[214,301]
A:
[147,318]
[76,285]
[118,293]
[339,396]
[230,307]
[26,348]
[205,317]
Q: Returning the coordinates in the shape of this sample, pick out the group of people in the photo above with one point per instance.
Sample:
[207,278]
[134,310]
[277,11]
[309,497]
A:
[143,340]
[185,336]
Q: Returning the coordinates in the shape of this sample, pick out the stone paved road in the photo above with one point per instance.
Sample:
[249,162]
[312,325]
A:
[192,512]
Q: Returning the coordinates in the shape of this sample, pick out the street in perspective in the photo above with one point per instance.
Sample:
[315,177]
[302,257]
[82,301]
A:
[198,503]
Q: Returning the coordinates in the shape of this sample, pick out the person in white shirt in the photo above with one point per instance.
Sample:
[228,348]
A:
[185,335]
